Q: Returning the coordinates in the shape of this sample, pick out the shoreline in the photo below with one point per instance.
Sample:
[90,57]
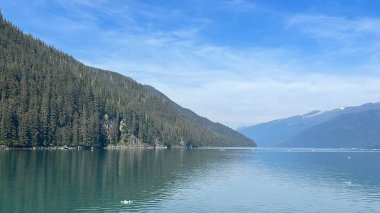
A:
[91,148]
[113,147]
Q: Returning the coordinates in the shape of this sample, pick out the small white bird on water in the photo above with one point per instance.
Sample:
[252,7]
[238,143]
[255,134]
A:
[126,202]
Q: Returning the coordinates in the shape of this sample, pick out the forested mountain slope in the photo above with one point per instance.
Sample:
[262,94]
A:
[47,98]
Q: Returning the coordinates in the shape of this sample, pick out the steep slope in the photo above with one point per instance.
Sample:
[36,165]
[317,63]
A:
[47,98]
[350,130]
[275,132]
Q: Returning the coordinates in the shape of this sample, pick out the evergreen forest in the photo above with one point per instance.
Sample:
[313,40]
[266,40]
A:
[47,98]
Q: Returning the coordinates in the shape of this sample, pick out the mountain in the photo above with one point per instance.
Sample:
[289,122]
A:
[47,98]
[350,130]
[275,132]
[279,132]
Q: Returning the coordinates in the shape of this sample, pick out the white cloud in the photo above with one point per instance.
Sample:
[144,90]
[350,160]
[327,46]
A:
[241,5]
[342,35]
[334,27]
[236,86]
[245,101]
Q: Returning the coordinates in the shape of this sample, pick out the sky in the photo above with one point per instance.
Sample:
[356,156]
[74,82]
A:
[237,62]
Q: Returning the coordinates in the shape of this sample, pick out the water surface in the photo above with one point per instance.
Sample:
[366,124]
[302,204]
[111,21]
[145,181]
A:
[201,180]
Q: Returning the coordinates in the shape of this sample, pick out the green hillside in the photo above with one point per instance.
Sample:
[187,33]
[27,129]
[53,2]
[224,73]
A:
[47,98]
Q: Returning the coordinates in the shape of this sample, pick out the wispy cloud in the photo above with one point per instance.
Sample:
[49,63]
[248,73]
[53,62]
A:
[350,36]
[335,27]
[232,85]
[262,98]
[238,87]
[241,5]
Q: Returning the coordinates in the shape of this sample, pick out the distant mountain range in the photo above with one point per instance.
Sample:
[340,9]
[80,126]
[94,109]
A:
[348,127]
[47,98]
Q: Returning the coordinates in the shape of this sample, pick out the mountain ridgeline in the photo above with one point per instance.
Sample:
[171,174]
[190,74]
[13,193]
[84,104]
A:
[276,132]
[351,130]
[47,98]
[350,127]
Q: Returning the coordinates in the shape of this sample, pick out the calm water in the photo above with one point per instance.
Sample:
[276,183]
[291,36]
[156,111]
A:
[214,180]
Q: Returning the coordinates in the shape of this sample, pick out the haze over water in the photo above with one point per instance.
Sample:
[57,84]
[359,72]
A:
[202,180]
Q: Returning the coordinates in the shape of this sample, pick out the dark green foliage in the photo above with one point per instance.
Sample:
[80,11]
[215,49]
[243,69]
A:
[47,98]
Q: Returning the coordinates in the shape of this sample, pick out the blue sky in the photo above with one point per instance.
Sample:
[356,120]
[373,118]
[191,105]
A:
[237,62]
